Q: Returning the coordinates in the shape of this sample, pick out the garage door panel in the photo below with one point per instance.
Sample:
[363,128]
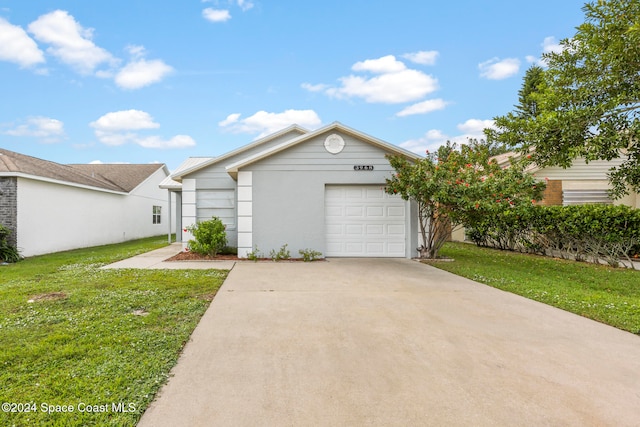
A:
[364,221]
[375,211]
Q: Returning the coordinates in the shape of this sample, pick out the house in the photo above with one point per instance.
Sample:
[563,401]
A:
[52,207]
[581,183]
[321,190]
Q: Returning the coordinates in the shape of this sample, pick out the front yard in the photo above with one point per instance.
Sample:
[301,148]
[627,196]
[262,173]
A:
[608,295]
[85,346]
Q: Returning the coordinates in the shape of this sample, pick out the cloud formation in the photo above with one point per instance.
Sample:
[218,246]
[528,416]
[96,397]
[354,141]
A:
[264,123]
[46,129]
[434,138]
[499,69]
[423,57]
[122,127]
[70,42]
[216,15]
[387,80]
[223,15]
[423,107]
[16,46]
[392,83]
[73,46]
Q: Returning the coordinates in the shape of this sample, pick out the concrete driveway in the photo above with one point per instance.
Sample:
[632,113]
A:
[391,342]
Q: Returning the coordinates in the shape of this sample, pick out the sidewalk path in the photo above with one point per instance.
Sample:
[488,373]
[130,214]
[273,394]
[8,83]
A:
[156,260]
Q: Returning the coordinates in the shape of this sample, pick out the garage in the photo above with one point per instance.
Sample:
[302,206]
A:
[364,221]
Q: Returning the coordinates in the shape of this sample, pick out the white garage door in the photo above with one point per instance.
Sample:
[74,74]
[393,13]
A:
[364,221]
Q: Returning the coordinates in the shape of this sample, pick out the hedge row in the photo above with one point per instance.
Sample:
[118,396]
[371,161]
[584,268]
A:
[592,233]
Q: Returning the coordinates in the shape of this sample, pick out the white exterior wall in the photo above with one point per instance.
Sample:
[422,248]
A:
[54,217]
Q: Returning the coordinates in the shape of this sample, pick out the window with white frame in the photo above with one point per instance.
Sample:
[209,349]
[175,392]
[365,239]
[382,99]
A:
[157,214]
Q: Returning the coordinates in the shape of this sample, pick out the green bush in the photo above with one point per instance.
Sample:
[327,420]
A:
[281,254]
[210,237]
[309,255]
[8,252]
[581,232]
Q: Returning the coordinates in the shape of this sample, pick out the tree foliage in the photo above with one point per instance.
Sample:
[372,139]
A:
[459,186]
[587,102]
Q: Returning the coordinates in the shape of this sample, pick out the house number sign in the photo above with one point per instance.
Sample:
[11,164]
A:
[362,167]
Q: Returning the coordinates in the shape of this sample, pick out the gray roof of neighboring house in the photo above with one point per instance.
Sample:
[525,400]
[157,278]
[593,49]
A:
[114,177]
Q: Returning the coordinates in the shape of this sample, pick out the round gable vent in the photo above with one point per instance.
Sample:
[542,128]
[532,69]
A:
[334,144]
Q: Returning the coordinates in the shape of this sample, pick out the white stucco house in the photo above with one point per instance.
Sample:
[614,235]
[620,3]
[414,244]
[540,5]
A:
[321,190]
[52,207]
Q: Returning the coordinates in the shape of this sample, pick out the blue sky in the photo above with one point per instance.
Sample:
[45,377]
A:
[158,81]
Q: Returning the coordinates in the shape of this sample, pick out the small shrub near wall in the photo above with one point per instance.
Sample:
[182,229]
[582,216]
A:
[583,232]
[210,237]
[8,252]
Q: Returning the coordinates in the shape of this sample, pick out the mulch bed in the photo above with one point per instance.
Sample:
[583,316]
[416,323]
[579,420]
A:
[192,256]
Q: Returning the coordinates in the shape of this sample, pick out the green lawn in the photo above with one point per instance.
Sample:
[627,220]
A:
[608,295]
[98,342]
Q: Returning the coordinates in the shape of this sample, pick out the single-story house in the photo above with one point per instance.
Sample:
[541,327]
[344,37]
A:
[52,207]
[581,183]
[321,190]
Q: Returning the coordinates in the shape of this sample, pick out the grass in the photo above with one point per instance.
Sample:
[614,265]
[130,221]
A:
[606,294]
[77,337]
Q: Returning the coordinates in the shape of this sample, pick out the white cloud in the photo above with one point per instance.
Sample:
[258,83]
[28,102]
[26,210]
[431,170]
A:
[386,64]
[314,88]
[423,107]
[16,46]
[265,123]
[120,127]
[231,118]
[424,57]
[549,45]
[178,141]
[69,41]
[140,73]
[216,15]
[125,120]
[395,83]
[434,138]
[46,129]
[496,69]
[245,5]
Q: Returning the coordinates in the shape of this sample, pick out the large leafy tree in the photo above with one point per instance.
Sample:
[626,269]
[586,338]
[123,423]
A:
[588,99]
[459,186]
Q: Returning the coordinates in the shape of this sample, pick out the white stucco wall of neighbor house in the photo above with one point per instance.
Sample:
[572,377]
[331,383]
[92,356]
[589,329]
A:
[54,217]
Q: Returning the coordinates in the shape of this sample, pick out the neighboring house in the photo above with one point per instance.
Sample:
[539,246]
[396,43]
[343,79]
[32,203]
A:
[579,184]
[52,207]
[320,190]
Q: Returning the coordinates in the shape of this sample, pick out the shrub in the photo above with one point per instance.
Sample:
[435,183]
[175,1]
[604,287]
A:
[210,237]
[581,232]
[281,254]
[255,254]
[8,252]
[310,255]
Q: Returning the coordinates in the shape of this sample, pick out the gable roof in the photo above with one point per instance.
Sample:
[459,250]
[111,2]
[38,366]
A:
[178,174]
[190,163]
[233,168]
[111,177]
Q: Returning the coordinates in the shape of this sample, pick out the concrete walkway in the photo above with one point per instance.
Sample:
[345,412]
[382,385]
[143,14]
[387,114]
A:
[156,260]
[391,342]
